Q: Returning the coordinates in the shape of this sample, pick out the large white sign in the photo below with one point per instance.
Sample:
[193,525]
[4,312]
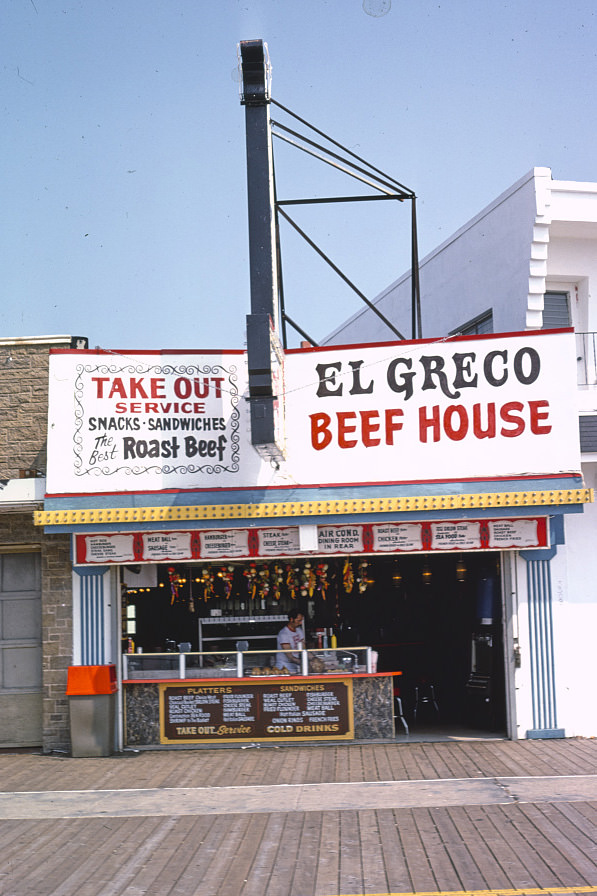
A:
[466,408]
[477,407]
[141,421]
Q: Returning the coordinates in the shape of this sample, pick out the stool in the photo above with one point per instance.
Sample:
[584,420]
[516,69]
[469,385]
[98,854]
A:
[425,695]
[398,714]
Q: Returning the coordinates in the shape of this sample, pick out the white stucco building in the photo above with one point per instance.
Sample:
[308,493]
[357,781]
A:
[528,261]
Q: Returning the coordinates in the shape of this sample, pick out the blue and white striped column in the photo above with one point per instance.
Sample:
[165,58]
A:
[89,616]
[543,674]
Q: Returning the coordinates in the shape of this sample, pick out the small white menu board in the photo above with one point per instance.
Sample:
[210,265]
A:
[109,548]
[512,533]
[217,543]
[462,535]
[276,542]
[166,546]
[340,539]
[397,537]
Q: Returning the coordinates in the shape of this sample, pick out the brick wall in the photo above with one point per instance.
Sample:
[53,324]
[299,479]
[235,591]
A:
[57,628]
[23,427]
[24,405]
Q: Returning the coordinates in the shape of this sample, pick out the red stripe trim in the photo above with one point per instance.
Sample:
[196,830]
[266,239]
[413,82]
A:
[533,334]
[285,488]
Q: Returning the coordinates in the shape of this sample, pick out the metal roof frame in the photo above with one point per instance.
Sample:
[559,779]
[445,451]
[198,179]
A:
[352,165]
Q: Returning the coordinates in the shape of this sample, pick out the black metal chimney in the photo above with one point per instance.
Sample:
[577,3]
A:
[265,357]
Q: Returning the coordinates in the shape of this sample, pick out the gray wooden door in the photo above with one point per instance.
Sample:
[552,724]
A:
[20,650]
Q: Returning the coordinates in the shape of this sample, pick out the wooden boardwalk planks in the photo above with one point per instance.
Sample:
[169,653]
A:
[307,854]
[273,764]
[319,853]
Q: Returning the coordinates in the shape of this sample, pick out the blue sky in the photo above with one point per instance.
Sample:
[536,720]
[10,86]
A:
[123,184]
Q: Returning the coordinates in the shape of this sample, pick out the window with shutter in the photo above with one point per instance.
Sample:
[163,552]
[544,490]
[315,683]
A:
[556,310]
[483,323]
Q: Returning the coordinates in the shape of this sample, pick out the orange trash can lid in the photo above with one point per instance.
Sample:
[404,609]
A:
[89,680]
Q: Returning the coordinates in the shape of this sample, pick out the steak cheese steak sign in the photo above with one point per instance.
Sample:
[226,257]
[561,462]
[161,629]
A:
[464,408]
[224,713]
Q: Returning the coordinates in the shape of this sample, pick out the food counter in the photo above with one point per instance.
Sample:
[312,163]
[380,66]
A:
[240,697]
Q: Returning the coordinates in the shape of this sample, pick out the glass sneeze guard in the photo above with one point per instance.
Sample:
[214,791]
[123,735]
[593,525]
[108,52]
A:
[246,664]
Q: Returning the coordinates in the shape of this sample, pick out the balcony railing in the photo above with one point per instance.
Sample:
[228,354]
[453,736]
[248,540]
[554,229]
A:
[586,357]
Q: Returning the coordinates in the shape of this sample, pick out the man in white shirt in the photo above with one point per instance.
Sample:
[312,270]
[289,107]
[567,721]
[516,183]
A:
[291,639]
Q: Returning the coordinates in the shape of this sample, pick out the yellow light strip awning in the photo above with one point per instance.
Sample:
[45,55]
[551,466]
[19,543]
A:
[275,510]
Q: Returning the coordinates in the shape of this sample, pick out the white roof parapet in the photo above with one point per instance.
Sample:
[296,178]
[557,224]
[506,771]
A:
[34,340]
[21,494]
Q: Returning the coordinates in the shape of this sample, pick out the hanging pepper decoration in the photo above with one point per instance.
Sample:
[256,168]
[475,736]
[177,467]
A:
[322,578]
[308,580]
[226,573]
[208,583]
[251,576]
[277,580]
[304,580]
[312,583]
[173,577]
[347,576]
[263,582]
[362,576]
[292,582]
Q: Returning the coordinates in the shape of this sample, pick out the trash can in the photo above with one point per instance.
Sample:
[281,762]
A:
[92,704]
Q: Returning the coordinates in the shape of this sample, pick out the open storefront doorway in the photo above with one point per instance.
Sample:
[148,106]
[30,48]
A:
[436,618]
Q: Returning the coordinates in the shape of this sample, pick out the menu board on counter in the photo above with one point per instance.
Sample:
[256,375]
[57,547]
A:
[260,711]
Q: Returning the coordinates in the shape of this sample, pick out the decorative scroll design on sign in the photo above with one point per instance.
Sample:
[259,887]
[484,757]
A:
[96,454]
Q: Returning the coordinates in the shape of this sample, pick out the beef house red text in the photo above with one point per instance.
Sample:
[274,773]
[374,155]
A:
[405,377]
